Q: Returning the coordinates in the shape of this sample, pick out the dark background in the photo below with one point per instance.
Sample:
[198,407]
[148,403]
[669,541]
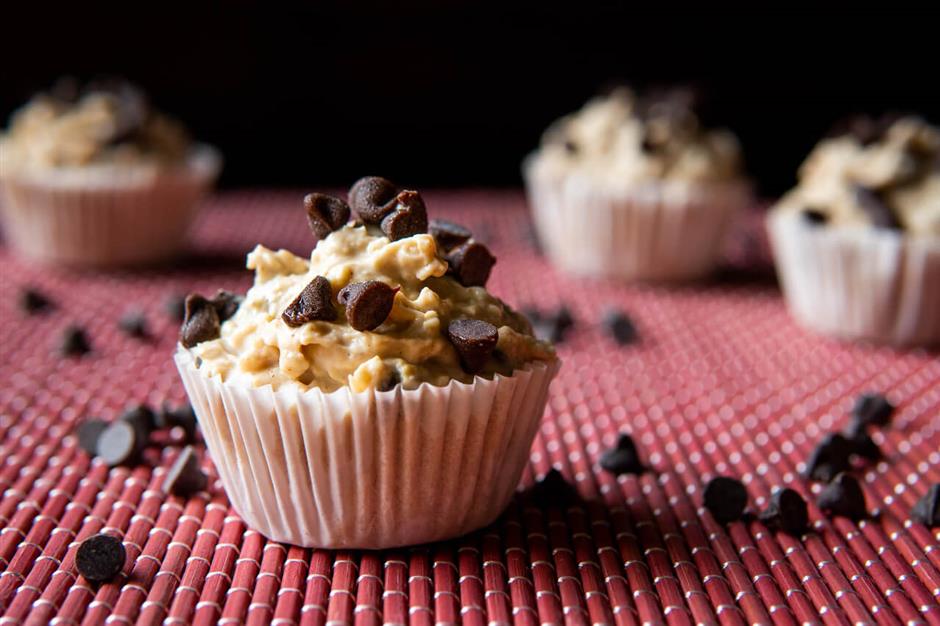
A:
[438,96]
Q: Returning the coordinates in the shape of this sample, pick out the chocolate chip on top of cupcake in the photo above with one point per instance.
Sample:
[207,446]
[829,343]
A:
[626,137]
[109,123]
[380,302]
[883,173]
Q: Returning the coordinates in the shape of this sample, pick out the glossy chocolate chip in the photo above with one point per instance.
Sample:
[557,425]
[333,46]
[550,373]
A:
[554,490]
[474,341]
[814,217]
[201,323]
[927,510]
[872,409]
[843,496]
[325,213]
[315,302]
[725,498]
[100,558]
[863,445]
[74,342]
[470,263]
[32,301]
[183,417]
[369,197]
[830,457]
[448,235]
[624,458]
[226,303]
[120,444]
[787,511]
[876,209]
[175,307]
[134,324]
[87,434]
[141,417]
[408,216]
[185,478]
[367,304]
[619,326]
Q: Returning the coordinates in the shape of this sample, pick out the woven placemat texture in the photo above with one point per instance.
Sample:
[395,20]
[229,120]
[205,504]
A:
[721,382]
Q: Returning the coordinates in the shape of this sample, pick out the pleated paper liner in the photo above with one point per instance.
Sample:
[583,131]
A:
[372,469]
[101,216]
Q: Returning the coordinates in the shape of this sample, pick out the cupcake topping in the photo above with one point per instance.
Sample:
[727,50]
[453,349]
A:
[414,309]
[325,213]
[883,173]
[203,317]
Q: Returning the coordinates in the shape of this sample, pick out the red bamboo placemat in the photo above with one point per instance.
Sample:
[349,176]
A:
[721,381]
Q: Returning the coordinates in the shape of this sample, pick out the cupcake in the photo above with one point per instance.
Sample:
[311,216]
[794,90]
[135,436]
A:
[100,179]
[857,242]
[373,394]
[635,189]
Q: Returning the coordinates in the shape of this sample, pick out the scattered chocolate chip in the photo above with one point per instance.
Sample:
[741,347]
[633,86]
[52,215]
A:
[875,208]
[176,307]
[74,342]
[448,235]
[120,443]
[843,496]
[369,197]
[471,263]
[315,302]
[201,323]
[185,478]
[786,511]
[134,324]
[408,216]
[226,303]
[142,418]
[624,458]
[619,326]
[325,213]
[862,444]
[183,417]
[32,301]
[367,304]
[100,558]
[87,434]
[814,217]
[927,509]
[872,409]
[474,341]
[552,326]
[726,498]
[830,457]
[554,490]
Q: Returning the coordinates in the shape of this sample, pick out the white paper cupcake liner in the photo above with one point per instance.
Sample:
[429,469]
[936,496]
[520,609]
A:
[372,469]
[106,215]
[858,283]
[657,231]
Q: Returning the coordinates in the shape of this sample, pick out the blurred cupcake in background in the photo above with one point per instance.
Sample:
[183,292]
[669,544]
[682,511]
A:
[857,242]
[98,178]
[635,189]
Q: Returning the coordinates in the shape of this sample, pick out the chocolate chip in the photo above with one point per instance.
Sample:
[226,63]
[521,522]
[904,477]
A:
[876,209]
[32,301]
[134,324]
[120,444]
[624,458]
[471,263]
[474,341]
[448,235]
[141,417]
[408,216]
[87,434]
[183,417]
[325,213]
[367,304]
[619,326]
[725,498]
[843,496]
[814,217]
[786,511]
[554,490]
[100,558]
[315,302]
[552,326]
[185,478]
[927,509]
[830,457]
[74,342]
[872,409]
[369,197]
[226,303]
[201,323]
[176,307]
[862,444]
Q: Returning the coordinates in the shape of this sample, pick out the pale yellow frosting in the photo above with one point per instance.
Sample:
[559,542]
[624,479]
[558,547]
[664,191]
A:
[257,348]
